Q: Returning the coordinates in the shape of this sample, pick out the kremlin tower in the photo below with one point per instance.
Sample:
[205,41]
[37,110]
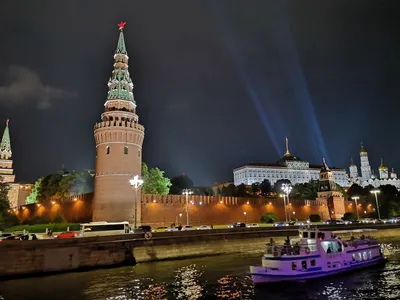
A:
[119,138]
[6,170]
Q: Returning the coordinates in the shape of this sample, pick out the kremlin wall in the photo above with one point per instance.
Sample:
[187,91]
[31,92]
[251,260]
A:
[163,210]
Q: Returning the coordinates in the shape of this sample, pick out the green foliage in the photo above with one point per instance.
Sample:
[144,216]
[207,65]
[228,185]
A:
[154,181]
[315,218]
[4,203]
[61,185]
[179,183]
[306,191]
[229,191]
[203,191]
[34,195]
[269,218]
[349,216]
[265,187]
[256,189]
[41,228]
[278,185]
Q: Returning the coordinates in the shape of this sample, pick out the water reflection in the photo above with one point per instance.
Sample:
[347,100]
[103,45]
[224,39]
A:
[186,284]
[224,277]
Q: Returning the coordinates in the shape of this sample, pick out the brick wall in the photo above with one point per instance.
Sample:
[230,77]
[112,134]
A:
[163,210]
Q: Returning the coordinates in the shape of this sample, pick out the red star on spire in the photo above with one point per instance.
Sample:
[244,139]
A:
[121,25]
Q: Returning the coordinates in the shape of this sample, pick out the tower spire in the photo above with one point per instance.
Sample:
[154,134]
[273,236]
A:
[362,151]
[287,147]
[5,145]
[120,86]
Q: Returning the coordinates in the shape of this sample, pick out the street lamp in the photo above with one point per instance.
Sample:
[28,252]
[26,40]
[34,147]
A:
[355,198]
[136,183]
[245,217]
[284,204]
[287,188]
[187,192]
[376,192]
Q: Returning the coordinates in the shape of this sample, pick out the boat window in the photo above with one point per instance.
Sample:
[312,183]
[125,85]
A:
[370,255]
[364,255]
[312,263]
[305,234]
[359,258]
[321,235]
[294,267]
[312,235]
[331,246]
[353,257]
[304,265]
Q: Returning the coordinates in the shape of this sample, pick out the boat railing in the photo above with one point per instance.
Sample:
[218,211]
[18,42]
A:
[359,242]
[289,250]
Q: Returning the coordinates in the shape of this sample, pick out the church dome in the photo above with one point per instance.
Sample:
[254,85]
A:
[382,167]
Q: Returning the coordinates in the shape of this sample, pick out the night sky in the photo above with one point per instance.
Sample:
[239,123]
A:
[217,83]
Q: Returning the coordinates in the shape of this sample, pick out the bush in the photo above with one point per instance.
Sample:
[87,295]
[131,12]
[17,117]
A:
[269,218]
[348,216]
[315,218]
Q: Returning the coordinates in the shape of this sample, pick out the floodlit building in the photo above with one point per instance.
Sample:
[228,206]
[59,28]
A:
[367,175]
[288,167]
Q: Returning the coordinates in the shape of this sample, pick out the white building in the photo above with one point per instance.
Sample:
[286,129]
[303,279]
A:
[288,167]
[367,176]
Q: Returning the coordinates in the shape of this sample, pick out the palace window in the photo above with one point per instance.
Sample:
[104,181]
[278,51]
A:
[126,150]
[108,150]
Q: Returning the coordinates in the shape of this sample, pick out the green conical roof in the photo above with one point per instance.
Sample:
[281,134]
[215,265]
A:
[5,141]
[120,84]
[121,44]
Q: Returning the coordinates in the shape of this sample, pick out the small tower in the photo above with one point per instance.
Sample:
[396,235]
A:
[383,171]
[119,138]
[365,167]
[393,175]
[287,148]
[353,171]
[329,191]
[6,170]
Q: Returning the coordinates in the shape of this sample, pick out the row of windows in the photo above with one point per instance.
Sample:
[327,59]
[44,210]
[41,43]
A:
[304,264]
[126,150]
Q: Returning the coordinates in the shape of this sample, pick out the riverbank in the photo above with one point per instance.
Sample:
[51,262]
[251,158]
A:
[23,258]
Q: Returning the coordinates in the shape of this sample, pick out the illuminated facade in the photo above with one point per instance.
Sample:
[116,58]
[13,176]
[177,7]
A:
[367,175]
[288,167]
[119,138]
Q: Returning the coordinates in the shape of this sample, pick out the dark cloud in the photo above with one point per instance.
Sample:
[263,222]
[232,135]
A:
[25,85]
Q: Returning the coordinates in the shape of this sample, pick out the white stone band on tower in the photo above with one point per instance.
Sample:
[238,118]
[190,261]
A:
[119,138]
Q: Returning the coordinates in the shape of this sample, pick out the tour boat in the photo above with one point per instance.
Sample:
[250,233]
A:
[316,254]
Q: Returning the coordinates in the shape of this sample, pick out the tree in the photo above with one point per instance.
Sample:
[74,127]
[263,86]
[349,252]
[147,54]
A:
[229,191]
[269,218]
[265,187]
[241,190]
[4,202]
[34,195]
[306,191]
[179,183]
[256,189]
[349,216]
[278,185]
[154,181]
[315,218]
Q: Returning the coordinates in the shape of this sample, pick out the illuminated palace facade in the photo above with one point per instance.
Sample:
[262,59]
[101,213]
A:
[367,176]
[288,167]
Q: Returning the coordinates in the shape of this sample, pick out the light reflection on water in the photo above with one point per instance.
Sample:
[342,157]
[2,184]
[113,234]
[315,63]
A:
[221,277]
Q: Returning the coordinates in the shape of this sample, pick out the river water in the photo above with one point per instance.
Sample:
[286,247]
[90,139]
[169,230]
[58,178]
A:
[218,277]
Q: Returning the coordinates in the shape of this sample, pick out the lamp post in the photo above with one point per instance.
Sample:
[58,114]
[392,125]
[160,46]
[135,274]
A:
[376,192]
[284,204]
[287,188]
[136,183]
[187,192]
[355,198]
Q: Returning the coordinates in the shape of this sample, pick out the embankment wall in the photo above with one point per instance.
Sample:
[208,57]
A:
[21,258]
